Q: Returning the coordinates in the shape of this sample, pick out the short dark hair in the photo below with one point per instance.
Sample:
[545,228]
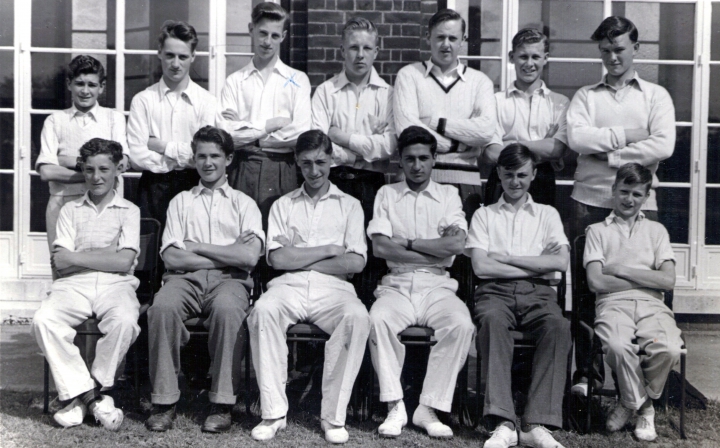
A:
[211,134]
[359,24]
[269,11]
[530,36]
[414,135]
[633,173]
[445,15]
[97,146]
[179,30]
[615,26]
[516,155]
[311,141]
[85,65]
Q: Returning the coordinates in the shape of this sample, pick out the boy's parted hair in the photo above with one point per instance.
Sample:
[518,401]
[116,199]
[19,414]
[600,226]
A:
[311,141]
[530,36]
[97,146]
[615,26]
[445,15]
[515,156]
[413,135]
[359,24]
[179,30]
[211,134]
[270,11]
[633,173]
[85,65]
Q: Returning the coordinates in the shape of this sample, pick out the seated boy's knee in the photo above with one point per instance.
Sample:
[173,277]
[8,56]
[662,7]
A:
[618,346]
[491,318]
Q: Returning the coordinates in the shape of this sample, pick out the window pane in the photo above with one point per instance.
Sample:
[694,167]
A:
[144,20]
[567,24]
[484,26]
[6,203]
[7,141]
[491,68]
[38,203]
[677,167]
[7,93]
[49,84]
[713,156]
[36,124]
[235,63]
[667,27]
[237,35]
[73,23]
[712,216]
[715,30]
[568,77]
[714,106]
[674,212]
[7,28]
[142,71]
[677,79]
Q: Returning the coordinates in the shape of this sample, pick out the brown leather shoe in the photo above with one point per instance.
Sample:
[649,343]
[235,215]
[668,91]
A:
[219,419]
[161,417]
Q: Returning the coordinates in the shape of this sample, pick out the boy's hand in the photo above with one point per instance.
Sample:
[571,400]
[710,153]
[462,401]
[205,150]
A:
[112,247]
[552,249]
[230,115]
[283,240]
[612,269]
[377,124]
[452,230]
[190,246]
[400,241]
[276,123]
[551,132]
[62,259]
[335,250]
[499,258]
[157,145]
[338,136]
[246,237]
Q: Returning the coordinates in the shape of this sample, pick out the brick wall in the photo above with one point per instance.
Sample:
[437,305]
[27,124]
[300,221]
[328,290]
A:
[317,25]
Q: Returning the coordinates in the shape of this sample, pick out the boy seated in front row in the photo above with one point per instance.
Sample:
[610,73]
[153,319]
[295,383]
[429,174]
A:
[629,262]
[418,227]
[212,241]
[96,249]
[316,235]
[517,247]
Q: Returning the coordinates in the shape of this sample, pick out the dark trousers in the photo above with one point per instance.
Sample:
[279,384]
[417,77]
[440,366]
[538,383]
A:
[522,305]
[542,188]
[222,296]
[363,185]
[582,215]
[155,190]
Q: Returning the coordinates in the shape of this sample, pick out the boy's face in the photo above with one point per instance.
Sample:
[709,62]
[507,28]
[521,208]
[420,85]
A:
[176,57]
[445,42]
[315,167]
[359,50]
[100,173]
[85,90]
[267,35]
[618,55]
[417,163]
[211,162]
[629,198]
[516,183]
[529,60]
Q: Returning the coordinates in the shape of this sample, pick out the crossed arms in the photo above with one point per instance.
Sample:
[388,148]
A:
[424,251]
[610,278]
[68,262]
[327,259]
[243,253]
[553,258]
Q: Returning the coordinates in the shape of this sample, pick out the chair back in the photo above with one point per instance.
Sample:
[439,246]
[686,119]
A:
[148,259]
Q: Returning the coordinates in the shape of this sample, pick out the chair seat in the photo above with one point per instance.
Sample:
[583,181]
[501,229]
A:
[306,331]
[196,324]
[90,326]
[417,332]
[522,338]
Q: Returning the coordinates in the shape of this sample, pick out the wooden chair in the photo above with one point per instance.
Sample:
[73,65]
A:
[581,291]
[88,332]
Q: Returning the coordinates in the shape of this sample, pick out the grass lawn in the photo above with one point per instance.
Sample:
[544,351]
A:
[23,424]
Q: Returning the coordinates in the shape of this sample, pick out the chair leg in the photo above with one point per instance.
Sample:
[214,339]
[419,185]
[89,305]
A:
[247,373]
[136,368]
[479,394]
[682,396]
[46,386]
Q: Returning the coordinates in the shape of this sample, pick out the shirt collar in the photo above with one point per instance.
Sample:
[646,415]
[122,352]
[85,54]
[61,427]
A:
[199,188]
[116,201]
[459,69]
[529,204]
[332,191]
[190,91]
[612,217]
[92,113]
[432,191]
[375,80]
[635,80]
[280,68]
[542,90]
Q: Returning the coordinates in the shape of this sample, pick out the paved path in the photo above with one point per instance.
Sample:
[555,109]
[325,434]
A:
[21,366]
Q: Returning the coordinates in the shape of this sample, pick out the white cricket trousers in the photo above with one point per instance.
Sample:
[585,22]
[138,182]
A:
[627,326]
[332,305]
[72,300]
[424,299]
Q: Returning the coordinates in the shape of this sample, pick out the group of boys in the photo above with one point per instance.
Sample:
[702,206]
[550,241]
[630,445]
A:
[221,177]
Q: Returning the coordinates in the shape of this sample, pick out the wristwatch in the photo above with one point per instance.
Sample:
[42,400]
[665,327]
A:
[441,126]
[409,244]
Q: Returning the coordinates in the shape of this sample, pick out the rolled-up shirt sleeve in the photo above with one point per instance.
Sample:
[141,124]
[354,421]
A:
[380,223]
[276,226]
[355,241]
[478,237]
[593,248]
[130,231]
[252,221]
[48,144]
[65,229]
[174,234]
[664,251]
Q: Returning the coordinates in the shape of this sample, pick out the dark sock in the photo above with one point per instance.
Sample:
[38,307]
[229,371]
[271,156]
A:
[507,423]
[90,396]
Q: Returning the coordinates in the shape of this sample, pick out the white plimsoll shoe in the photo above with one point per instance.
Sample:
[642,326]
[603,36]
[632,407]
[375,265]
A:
[72,414]
[334,433]
[502,437]
[618,418]
[106,413]
[395,421]
[424,417]
[580,389]
[539,437]
[645,425]
[267,429]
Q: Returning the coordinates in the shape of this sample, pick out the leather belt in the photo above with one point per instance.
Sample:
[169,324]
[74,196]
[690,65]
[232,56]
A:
[426,270]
